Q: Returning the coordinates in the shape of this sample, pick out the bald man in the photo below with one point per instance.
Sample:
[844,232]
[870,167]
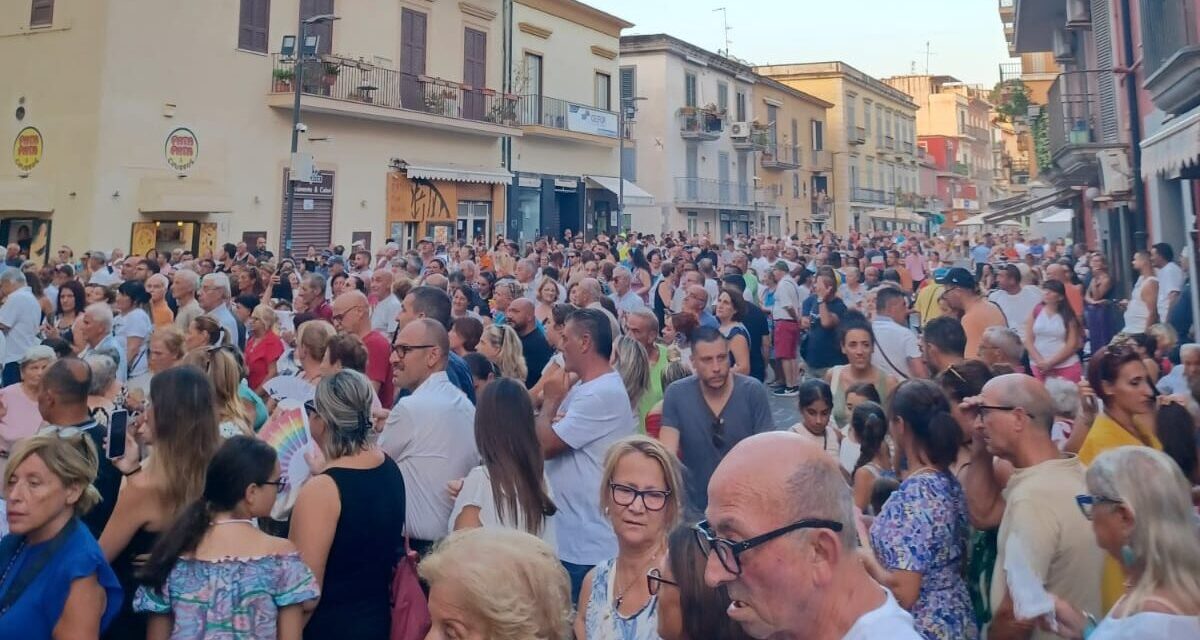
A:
[387,305]
[695,301]
[804,578]
[352,315]
[1016,414]
[534,346]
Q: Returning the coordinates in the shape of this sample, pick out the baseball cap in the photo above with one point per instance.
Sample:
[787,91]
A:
[337,260]
[956,277]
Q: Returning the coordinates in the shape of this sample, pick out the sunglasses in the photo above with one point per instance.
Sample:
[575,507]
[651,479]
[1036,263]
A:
[1087,503]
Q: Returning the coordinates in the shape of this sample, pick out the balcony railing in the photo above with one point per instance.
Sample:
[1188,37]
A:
[1171,47]
[907,147]
[1010,71]
[821,160]
[961,168]
[366,83]
[978,133]
[822,207]
[721,193]
[1075,112]
[778,156]
[701,123]
[876,196]
[567,116]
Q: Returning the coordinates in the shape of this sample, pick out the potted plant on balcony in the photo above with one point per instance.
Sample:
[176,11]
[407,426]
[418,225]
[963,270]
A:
[503,109]
[331,74]
[283,79]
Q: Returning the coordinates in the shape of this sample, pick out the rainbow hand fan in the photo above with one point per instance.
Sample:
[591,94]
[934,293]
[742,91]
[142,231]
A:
[287,432]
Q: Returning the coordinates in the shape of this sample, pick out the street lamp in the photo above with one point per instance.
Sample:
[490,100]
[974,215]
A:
[626,113]
[301,49]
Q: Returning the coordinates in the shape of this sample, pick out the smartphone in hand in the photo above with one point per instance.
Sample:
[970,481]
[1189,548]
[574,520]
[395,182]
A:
[118,424]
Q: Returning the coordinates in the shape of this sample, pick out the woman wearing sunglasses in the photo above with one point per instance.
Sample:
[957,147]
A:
[687,608]
[640,493]
[213,571]
[1141,511]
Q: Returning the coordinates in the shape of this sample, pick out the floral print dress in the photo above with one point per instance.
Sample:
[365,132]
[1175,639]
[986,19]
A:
[231,598]
[923,528]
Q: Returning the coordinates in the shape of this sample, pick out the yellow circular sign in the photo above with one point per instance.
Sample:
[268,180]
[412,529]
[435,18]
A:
[181,149]
[28,148]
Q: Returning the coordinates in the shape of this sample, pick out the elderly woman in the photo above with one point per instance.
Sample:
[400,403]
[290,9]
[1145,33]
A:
[166,348]
[263,347]
[1001,348]
[74,594]
[105,388]
[500,584]
[1141,512]
[19,414]
[640,492]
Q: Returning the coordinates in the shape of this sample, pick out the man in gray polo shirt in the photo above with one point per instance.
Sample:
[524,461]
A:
[704,415]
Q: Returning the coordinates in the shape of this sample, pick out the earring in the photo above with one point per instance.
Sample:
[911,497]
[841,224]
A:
[1127,556]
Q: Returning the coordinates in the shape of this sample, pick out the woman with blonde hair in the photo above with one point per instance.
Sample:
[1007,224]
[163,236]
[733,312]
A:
[263,347]
[641,492]
[225,371]
[166,348]
[312,339]
[501,584]
[502,346]
[1141,511]
[547,297]
[631,362]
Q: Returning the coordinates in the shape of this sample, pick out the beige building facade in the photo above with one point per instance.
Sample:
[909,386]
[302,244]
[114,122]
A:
[871,136]
[794,169]
[168,125]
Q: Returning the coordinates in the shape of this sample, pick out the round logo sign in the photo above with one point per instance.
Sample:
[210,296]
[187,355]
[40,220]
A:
[181,149]
[28,148]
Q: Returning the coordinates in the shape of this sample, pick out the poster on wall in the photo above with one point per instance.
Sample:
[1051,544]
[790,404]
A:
[31,234]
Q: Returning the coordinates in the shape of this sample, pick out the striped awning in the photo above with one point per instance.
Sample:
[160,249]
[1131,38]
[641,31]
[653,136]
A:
[453,172]
[1174,148]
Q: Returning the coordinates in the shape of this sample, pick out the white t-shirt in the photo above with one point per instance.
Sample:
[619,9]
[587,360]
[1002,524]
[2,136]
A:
[1147,625]
[593,416]
[105,277]
[888,622]
[477,492]
[1050,336]
[894,346]
[1170,279]
[22,314]
[135,324]
[1017,307]
[383,318]
[787,294]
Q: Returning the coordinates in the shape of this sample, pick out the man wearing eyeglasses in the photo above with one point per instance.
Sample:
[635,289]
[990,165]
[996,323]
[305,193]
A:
[352,315]
[780,536]
[1037,509]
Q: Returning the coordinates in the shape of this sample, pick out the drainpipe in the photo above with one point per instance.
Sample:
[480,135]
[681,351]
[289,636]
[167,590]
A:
[1135,126]
[506,142]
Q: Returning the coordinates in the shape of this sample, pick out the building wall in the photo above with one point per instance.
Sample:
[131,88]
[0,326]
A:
[796,205]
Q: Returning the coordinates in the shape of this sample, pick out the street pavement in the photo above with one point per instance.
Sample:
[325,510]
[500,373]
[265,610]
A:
[785,410]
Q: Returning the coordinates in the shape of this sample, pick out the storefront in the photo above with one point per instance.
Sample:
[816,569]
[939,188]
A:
[312,212]
[546,205]
[25,203]
[444,202]
[734,222]
[604,200]
[177,204]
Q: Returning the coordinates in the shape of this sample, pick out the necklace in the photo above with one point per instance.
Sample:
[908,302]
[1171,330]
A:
[234,521]
[919,470]
[12,561]
[621,594]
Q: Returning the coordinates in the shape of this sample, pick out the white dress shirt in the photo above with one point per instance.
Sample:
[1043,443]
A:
[431,435]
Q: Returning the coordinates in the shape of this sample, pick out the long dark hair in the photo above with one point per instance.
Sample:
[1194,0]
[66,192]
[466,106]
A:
[1064,307]
[923,407]
[241,462]
[869,423]
[80,296]
[702,609]
[508,446]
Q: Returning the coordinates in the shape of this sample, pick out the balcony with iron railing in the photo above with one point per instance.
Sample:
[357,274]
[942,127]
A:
[1010,71]
[358,89]
[856,135]
[1079,125]
[707,192]
[907,147]
[1171,53]
[780,156]
[873,196]
[971,131]
[701,123]
[553,117]
[822,207]
[758,137]
[961,168]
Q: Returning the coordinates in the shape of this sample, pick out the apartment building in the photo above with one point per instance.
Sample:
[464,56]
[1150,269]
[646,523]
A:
[684,154]
[146,124]
[871,136]
[794,171]
[566,164]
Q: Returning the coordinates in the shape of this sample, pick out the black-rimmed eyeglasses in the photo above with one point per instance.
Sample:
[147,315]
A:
[728,551]
[405,349]
[652,499]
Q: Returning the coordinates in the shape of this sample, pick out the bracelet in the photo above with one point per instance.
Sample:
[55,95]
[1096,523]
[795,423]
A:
[1090,624]
[139,468]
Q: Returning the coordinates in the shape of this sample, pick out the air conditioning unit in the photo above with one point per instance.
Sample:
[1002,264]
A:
[1115,175]
[1063,46]
[1079,14]
[739,130]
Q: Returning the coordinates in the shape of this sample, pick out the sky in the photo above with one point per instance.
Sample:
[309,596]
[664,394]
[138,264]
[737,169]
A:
[879,37]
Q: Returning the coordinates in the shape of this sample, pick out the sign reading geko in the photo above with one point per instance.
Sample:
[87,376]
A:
[181,149]
[589,120]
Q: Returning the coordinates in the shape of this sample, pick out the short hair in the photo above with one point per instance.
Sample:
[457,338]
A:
[964,380]
[1105,365]
[313,337]
[248,301]
[431,302]
[1165,251]
[437,334]
[947,335]
[815,490]
[704,334]
[884,297]
[736,299]
[735,280]
[171,337]
[68,379]
[104,373]
[667,462]
[1064,395]
[219,280]
[74,460]
[1007,340]
[100,312]
[347,350]
[316,281]
[647,315]
[469,329]
[594,323]
[13,275]
[509,579]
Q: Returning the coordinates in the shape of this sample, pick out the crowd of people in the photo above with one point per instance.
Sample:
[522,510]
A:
[574,438]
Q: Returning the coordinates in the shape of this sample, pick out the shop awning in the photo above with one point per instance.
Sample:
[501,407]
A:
[1062,215]
[1172,149]
[453,172]
[1029,205]
[974,221]
[25,194]
[902,215]
[634,194]
[182,195]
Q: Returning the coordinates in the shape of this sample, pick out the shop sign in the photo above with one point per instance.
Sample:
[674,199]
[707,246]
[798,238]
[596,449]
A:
[181,149]
[28,148]
[588,120]
[323,188]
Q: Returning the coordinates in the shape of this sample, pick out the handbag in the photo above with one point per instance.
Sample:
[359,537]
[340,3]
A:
[410,609]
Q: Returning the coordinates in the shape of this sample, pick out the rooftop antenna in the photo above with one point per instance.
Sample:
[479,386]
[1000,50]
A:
[928,52]
[727,28]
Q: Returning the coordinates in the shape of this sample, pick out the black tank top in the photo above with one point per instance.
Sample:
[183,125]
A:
[358,572]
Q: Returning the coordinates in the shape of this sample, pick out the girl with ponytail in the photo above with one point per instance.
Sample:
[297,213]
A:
[920,535]
[214,571]
[869,424]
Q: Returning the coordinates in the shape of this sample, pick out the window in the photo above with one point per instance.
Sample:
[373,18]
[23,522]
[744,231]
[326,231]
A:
[739,104]
[795,139]
[628,84]
[604,91]
[253,23]
[722,96]
[323,30]
[795,185]
[691,222]
[533,74]
[689,89]
[870,173]
[41,13]
[853,172]
[867,110]
[773,132]
[878,123]
[818,135]
[851,119]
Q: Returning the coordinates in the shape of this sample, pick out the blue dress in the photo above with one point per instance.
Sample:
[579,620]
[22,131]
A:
[37,610]
[602,621]
[923,528]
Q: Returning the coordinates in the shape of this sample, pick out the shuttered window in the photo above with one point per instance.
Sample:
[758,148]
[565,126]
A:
[628,84]
[41,13]
[689,89]
[323,30]
[253,25]
[1109,129]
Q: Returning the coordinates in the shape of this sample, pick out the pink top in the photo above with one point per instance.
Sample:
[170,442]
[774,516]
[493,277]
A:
[21,418]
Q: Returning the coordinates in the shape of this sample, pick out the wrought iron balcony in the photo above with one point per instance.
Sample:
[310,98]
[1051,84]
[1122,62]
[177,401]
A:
[780,156]
[822,207]
[352,81]
[971,131]
[1079,125]
[874,196]
[889,143]
[701,123]
[962,169]
[559,114]
[714,193]
[907,147]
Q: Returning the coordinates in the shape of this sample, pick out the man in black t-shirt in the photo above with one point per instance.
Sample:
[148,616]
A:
[822,312]
[534,346]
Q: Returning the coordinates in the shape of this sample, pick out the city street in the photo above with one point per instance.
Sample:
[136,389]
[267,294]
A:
[785,410]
